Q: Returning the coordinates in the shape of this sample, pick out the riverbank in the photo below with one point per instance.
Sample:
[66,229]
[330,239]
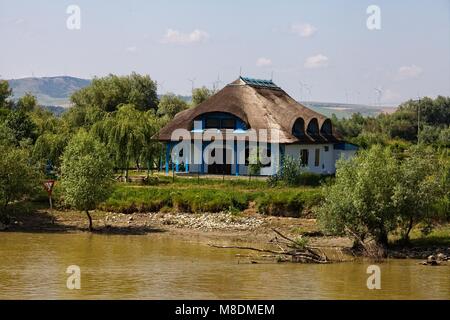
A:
[248,227]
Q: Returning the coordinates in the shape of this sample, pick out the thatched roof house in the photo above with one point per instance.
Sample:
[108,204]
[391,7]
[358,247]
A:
[261,105]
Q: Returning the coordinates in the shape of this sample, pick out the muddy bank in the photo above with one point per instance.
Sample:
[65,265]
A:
[248,227]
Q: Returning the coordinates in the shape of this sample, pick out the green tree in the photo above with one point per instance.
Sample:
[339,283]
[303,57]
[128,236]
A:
[151,150]
[86,173]
[359,204]
[18,176]
[110,92]
[200,95]
[27,103]
[5,94]
[417,189]
[122,133]
[170,105]
[21,125]
[50,147]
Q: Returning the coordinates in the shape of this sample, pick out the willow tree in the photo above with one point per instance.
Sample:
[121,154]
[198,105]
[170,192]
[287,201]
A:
[151,149]
[125,135]
[86,173]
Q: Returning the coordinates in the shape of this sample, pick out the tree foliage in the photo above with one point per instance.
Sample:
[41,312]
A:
[18,176]
[375,193]
[5,94]
[170,105]
[110,92]
[201,94]
[86,173]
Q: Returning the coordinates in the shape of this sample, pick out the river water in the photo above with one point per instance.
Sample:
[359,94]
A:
[158,266]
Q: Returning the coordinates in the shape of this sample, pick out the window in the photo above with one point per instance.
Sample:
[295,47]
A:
[228,124]
[313,127]
[327,148]
[327,128]
[299,128]
[304,156]
[212,123]
[317,158]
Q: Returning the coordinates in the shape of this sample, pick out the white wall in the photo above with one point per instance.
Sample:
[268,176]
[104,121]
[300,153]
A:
[327,161]
[326,158]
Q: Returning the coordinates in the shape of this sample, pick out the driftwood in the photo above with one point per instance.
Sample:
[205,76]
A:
[288,247]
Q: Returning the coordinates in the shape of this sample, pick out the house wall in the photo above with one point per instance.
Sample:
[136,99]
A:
[326,158]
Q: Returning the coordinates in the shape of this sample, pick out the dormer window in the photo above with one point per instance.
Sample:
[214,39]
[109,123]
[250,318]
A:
[299,128]
[326,128]
[313,127]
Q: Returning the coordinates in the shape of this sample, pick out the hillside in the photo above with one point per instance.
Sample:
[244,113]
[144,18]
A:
[56,91]
[50,91]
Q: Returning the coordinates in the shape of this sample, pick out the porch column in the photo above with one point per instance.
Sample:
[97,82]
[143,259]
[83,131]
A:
[187,159]
[167,157]
[236,157]
[202,166]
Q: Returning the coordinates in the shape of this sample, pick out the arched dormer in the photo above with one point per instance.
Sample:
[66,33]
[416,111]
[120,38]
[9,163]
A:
[327,128]
[313,127]
[298,130]
[221,120]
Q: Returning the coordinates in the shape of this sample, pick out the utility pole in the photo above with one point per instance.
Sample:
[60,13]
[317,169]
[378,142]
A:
[418,121]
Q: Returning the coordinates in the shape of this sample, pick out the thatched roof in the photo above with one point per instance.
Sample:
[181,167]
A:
[261,105]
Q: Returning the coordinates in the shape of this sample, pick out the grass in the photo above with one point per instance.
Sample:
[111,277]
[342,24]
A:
[187,194]
[440,236]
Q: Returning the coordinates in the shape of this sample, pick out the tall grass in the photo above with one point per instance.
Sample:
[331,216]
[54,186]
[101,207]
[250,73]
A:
[213,196]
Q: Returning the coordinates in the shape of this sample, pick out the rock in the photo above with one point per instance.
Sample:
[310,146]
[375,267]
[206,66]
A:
[441,257]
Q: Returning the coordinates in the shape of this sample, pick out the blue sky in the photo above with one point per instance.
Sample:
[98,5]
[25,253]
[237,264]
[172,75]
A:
[317,50]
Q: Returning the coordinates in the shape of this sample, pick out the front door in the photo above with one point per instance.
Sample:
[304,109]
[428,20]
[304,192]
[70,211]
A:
[224,168]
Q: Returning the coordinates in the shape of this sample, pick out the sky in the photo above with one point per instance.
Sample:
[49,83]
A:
[319,50]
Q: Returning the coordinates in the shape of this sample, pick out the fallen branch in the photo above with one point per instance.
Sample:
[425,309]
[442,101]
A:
[297,252]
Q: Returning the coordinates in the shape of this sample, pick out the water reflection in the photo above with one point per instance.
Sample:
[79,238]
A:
[156,266]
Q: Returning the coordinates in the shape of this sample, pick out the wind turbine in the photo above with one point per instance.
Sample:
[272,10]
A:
[302,87]
[217,83]
[379,93]
[192,83]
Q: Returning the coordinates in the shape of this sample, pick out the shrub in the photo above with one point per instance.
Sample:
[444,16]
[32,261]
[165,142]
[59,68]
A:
[375,194]
[288,203]
[292,173]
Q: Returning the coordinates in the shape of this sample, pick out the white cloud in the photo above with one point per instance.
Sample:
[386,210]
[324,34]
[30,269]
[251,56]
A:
[303,30]
[131,49]
[263,62]
[409,72]
[317,61]
[177,37]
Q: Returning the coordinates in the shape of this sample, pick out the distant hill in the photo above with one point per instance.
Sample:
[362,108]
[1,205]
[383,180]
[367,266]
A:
[50,91]
[343,110]
[55,92]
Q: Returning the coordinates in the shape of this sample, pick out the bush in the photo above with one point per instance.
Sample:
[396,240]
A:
[288,203]
[292,174]
[375,193]
[141,199]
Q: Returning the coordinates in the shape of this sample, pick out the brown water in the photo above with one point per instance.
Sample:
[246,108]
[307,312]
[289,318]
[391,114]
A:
[156,266]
